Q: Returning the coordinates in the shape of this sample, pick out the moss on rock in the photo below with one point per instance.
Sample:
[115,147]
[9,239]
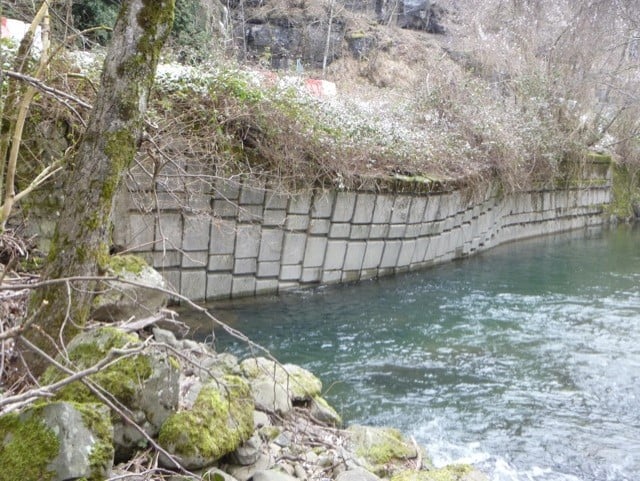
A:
[452,472]
[301,384]
[27,447]
[121,379]
[219,421]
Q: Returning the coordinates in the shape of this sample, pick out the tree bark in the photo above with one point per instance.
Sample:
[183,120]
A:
[80,245]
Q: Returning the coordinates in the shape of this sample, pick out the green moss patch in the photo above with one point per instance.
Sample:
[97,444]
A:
[122,264]
[220,420]
[27,447]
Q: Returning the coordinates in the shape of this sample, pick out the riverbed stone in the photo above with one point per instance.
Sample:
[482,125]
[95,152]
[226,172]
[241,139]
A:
[121,301]
[357,474]
[452,472]
[300,384]
[321,411]
[272,475]
[380,448]
[248,452]
[56,441]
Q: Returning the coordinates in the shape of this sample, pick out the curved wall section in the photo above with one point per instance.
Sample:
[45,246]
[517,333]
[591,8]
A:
[242,240]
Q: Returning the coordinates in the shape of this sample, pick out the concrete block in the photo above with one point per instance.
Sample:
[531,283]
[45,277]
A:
[198,202]
[391,253]
[311,274]
[396,231]
[406,252]
[379,231]
[168,258]
[223,237]
[250,213]
[275,218]
[319,226]
[334,257]
[368,274]
[400,213]
[226,189]
[268,269]
[331,277]
[245,266]
[355,255]
[344,206]
[275,201]
[373,254]
[365,205]
[219,286]
[360,231]
[252,195]
[266,286]
[297,222]
[432,208]
[322,206]
[196,233]
[271,245]
[195,259]
[412,231]
[287,285]
[225,208]
[172,276]
[314,252]
[350,276]
[416,211]
[383,209]
[141,232]
[168,234]
[193,284]
[220,262]
[247,241]
[420,252]
[340,231]
[300,203]
[294,247]
[290,273]
[243,286]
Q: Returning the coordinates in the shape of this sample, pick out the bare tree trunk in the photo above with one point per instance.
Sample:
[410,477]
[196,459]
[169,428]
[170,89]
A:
[80,246]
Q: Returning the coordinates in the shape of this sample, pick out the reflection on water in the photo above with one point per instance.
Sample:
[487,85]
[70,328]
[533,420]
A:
[524,360]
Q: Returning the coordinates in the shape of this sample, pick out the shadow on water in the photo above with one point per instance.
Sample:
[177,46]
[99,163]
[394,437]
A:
[499,359]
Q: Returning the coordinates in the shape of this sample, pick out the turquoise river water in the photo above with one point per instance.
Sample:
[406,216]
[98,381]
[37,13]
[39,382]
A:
[524,360]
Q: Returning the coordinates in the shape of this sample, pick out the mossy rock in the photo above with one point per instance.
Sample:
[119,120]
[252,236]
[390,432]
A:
[56,441]
[321,410]
[218,422]
[146,383]
[301,384]
[452,472]
[385,450]
[120,301]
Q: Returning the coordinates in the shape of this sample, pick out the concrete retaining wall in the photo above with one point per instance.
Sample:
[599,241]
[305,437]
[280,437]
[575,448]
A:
[238,240]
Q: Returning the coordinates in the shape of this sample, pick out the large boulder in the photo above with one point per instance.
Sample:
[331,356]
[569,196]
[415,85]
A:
[145,382]
[138,295]
[56,441]
[215,419]
[383,450]
[300,384]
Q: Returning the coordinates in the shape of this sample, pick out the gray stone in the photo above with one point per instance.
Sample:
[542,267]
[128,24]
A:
[248,452]
[120,301]
[244,473]
[357,474]
[270,396]
[323,412]
[260,419]
[83,433]
[215,474]
[272,475]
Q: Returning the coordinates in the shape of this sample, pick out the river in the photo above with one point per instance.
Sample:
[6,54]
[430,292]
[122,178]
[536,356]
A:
[523,360]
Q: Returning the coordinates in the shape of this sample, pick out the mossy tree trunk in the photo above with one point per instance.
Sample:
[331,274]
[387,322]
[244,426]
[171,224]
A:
[80,246]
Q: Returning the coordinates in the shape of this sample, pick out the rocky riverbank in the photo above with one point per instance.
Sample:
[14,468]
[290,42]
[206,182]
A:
[200,415]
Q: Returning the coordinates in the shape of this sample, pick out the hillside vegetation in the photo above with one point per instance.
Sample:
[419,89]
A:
[501,90]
